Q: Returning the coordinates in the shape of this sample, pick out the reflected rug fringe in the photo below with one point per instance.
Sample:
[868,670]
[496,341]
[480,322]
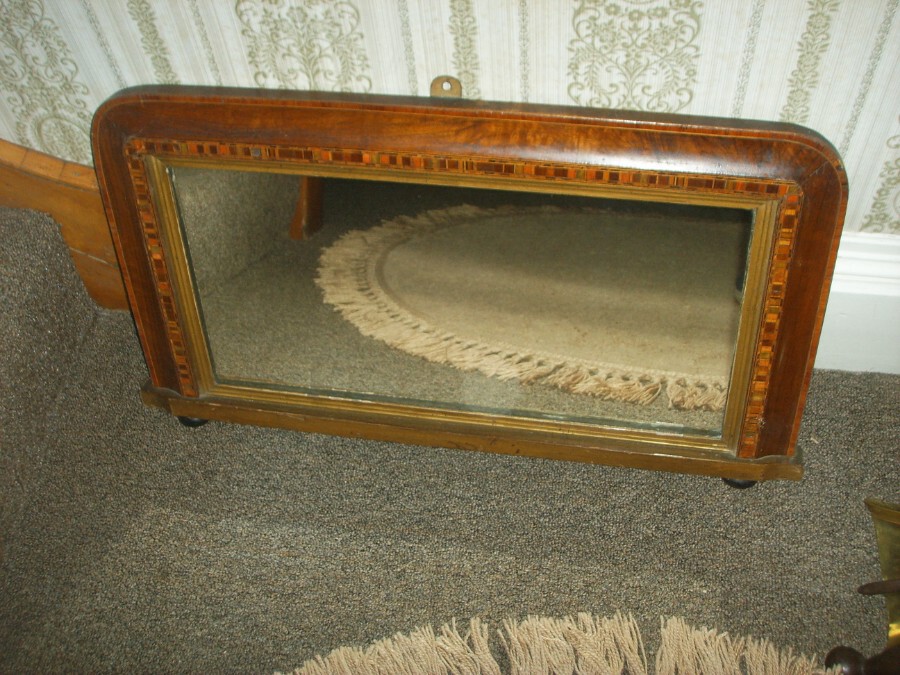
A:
[345,276]
[584,644]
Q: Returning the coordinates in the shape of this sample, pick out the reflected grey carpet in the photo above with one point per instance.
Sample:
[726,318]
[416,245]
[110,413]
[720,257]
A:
[132,543]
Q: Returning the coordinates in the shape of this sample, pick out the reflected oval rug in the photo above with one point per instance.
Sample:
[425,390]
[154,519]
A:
[618,306]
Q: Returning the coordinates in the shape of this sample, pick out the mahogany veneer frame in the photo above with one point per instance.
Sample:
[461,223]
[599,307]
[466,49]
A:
[790,175]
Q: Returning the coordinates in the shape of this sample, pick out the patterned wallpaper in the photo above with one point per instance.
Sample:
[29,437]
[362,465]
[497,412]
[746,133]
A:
[832,65]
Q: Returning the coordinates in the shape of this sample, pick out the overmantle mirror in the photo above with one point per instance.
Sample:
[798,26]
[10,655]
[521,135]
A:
[564,283]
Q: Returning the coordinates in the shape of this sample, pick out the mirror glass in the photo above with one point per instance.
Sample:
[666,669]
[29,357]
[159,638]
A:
[559,307]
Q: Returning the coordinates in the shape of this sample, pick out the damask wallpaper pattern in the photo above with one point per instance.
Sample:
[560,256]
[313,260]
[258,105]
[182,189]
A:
[47,103]
[144,17]
[811,48]
[833,65]
[638,55]
[310,45]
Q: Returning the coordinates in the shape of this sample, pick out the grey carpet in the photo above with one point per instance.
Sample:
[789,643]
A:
[132,543]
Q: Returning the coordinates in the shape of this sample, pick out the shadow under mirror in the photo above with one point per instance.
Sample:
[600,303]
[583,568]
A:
[623,313]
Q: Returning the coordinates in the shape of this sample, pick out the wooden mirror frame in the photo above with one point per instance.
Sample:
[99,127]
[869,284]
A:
[790,175]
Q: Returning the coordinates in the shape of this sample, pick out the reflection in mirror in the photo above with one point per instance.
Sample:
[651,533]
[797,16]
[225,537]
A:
[623,313]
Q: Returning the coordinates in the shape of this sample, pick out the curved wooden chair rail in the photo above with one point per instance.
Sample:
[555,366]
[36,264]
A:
[68,192]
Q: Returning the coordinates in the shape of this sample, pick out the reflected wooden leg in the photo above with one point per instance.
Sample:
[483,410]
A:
[308,216]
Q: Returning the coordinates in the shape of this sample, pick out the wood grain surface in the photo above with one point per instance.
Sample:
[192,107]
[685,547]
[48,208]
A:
[513,146]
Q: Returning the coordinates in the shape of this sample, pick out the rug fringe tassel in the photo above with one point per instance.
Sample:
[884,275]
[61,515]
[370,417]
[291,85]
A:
[580,645]
[695,395]
[583,644]
[685,650]
[421,652]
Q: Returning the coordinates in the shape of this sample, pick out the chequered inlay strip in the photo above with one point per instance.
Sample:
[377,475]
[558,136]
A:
[775,190]
[770,320]
[164,290]
[462,166]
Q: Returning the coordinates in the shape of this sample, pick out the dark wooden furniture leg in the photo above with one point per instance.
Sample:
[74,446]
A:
[308,216]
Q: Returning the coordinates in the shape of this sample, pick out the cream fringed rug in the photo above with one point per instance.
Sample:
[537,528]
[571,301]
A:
[582,645]
[618,306]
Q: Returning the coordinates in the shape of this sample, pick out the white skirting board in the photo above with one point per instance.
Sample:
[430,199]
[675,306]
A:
[862,321]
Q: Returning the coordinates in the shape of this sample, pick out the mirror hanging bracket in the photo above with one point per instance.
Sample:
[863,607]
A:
[446,86]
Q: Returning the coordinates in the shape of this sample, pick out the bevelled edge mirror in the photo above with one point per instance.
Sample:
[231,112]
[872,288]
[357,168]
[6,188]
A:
[603,286]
